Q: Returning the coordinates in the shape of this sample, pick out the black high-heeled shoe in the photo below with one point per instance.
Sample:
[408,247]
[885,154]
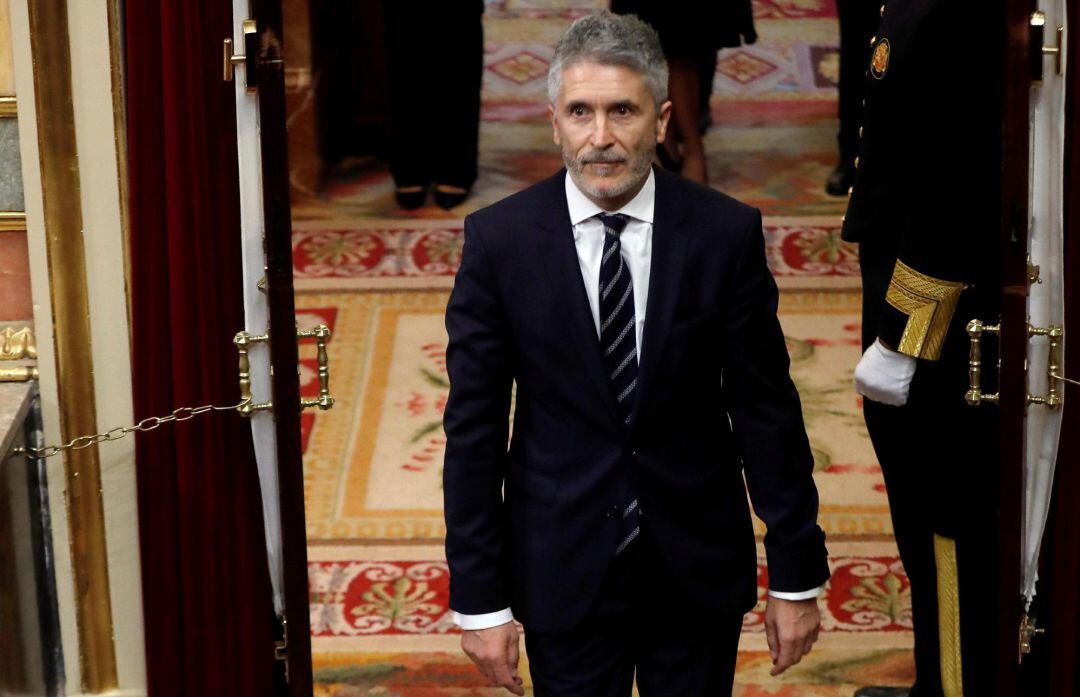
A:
[450,199]
[841,179]
[410,197]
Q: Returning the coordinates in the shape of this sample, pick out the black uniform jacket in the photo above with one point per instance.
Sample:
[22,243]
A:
[924,206]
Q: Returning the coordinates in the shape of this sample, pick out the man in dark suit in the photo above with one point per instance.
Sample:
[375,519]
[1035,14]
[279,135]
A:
[635,312]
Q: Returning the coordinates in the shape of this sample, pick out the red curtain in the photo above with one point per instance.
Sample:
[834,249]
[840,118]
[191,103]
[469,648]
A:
[206,595]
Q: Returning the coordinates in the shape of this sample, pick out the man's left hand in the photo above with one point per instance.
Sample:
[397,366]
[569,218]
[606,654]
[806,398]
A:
[791,627]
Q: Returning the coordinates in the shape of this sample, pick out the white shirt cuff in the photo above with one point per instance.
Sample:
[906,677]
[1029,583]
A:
[485,621]
[801,595]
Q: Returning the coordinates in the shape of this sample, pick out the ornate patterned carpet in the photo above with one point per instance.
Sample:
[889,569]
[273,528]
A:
[380,277]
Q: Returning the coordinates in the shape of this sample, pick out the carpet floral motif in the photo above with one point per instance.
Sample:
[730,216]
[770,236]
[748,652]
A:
[811,251]
[793,9]
[353,598]
[381,479]
[799,249]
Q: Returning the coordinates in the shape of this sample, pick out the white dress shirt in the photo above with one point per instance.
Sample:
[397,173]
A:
[636,248]
[635,241]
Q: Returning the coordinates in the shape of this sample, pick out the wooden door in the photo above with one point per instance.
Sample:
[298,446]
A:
[270,310]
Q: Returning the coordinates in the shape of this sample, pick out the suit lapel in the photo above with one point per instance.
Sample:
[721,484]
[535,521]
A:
[559,254]
[665,275]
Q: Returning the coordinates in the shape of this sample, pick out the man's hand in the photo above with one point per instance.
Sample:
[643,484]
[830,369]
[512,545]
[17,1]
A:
[495,653]
[791,627]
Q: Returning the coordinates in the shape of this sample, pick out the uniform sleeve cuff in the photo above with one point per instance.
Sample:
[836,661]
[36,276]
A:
[928,304]
[484,621]
[802,595]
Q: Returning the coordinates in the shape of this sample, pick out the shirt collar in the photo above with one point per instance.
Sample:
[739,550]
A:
[640,207]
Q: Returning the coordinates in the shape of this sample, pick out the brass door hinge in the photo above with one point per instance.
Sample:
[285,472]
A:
[1037,24]
[1028,631]
[281,648]
[243,342]
[1033,273]
[251,50]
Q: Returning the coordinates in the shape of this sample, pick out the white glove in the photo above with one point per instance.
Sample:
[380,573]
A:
[884,375]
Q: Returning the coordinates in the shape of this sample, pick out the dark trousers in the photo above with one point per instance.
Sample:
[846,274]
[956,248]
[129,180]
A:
[858,21]
[637,625]
[939,459]
[436,61]
[938,488]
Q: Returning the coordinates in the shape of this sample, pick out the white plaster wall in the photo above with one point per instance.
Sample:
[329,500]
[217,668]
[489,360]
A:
[101,213]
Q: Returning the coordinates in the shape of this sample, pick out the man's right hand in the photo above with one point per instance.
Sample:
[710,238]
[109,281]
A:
[495,653]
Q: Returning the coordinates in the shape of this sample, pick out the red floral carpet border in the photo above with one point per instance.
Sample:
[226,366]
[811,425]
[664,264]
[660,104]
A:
[364,598]
[797,249]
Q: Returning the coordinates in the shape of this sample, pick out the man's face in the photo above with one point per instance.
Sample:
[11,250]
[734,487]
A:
[607,126]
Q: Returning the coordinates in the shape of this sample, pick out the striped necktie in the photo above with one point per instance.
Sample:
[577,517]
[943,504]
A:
[618,343]
[618,340]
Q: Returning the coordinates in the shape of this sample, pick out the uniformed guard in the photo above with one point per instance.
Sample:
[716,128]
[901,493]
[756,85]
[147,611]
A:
[925,211]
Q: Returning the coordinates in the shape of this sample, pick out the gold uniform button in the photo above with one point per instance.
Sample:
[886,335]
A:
[873,40]
[849,190]
[860,131]
[882,10]
[856,163]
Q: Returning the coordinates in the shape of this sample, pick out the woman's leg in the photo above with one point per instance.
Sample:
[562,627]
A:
[684,86]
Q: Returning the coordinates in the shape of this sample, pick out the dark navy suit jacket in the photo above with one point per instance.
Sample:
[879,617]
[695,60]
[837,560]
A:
[529,525]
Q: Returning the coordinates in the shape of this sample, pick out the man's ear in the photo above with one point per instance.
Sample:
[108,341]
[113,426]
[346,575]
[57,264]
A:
[554,124]
[663,118]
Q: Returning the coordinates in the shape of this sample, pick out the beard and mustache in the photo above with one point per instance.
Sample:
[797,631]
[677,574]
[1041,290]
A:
[638,163]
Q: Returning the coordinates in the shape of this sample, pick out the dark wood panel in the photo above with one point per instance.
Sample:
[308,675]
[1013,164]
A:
[1062,545]
[1014,218]
[283,349]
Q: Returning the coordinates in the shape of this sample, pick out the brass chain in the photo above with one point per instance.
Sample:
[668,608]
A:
[147,424]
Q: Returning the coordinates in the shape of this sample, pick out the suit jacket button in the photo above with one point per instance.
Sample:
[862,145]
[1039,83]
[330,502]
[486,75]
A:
[633,453]
[612,512]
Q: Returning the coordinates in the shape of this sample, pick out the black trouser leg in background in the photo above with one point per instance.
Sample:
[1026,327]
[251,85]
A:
[456,80]
[940,481]
[906,482]
[858,21]
[436,64]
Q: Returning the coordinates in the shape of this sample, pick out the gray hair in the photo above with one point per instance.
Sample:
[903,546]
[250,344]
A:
[610,39]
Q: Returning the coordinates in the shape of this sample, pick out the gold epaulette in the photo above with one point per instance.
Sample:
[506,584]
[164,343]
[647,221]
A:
[929,304]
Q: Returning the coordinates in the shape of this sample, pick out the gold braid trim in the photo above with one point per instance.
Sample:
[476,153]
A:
[948,585]
[929,304]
